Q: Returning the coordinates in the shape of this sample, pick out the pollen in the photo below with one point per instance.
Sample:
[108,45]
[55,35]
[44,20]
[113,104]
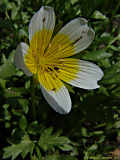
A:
[47,59]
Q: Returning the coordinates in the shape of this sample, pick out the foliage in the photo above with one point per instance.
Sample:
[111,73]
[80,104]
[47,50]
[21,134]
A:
[92,129]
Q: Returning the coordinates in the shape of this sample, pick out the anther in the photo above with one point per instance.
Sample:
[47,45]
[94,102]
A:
[56,68]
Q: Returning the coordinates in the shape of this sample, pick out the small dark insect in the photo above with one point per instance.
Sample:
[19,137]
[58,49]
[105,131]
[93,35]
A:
[56,68]
[78,39]
[54,89]
[50,69]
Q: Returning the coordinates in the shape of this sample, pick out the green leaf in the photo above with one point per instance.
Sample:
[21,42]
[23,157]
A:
[70,88]
[48,141]
[7,115]
[22,33]
[34,128]
[93,147]
[14,92]
[24,104]
[111,80]
[27,84]
[11,56]
[52,157]
[23,123]
[34,157]
[117,124]
[24,147]
[112,74]
[60,157]
[116,91]
[66,147]
[7,70]
[84,132]
[105,63]
[2,83]
[14,11]
[3,59]
[65,157]
[99,15]
[74,1]
[38,153]
[96,55]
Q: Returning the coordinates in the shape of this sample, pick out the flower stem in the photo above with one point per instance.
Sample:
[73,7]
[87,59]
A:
[33,100]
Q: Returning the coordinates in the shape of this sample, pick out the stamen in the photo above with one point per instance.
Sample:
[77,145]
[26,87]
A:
[47,59]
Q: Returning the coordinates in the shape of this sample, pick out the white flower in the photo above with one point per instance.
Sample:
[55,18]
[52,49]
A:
[47,58]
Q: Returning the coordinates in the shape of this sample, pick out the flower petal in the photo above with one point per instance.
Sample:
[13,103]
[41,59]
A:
[43,19]
[79,33]
[83,74]
[19,58]
[60,100]
[49,80]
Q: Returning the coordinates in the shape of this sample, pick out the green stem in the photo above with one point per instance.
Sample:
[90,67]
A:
[116,9]
[33,100]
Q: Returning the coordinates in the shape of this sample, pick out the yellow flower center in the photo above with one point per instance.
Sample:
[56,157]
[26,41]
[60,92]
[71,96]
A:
[48,59]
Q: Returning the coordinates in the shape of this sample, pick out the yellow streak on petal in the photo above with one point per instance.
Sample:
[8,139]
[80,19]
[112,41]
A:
[50,81]
[40,41]
[69,68]
[60,47]
[34,59]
